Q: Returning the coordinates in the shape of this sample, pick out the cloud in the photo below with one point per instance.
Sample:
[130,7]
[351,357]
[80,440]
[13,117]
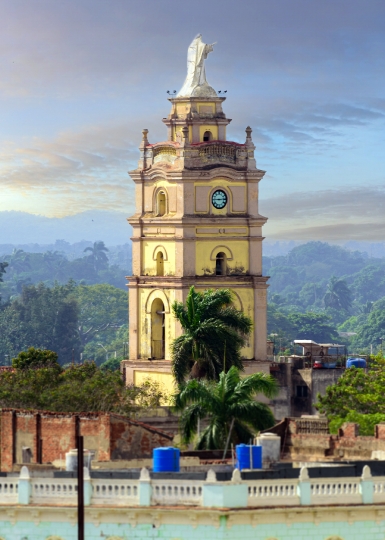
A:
[75,172]
[334,215]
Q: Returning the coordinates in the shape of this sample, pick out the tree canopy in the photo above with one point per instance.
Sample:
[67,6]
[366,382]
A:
[83,387]
[214,332]
[229,407]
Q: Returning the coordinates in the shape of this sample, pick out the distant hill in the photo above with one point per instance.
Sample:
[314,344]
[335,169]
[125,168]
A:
[20,228]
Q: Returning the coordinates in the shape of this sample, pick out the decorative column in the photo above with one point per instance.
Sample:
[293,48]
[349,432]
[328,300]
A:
[145,488]
[304,488]
[366,486]
[87,492]
[25,490]
[232,494]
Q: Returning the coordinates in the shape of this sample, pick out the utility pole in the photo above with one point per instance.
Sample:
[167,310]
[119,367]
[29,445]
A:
[80,445]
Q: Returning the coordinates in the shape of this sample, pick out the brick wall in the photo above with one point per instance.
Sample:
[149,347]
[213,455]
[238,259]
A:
[48,436]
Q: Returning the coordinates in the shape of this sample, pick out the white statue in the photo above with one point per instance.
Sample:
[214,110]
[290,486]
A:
[195,84]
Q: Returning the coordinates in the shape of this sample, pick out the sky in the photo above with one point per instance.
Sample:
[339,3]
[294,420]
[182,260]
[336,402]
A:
[80,79]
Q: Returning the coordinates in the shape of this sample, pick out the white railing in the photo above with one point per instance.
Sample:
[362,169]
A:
[273,492]
[335,491]
[118,492]
[379,489]
[169,492]
[173,492]
[9,490]
[54,490]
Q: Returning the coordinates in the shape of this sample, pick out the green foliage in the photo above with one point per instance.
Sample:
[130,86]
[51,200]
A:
[112,364]
[365,421]
[338,295]
[44,318]
[315,326]
[228,406]
[54,266]
[78,388]
[357,391]
[214,332]
[35,358]
[102,309]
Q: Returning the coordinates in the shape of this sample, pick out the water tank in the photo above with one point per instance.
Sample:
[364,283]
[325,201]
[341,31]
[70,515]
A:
[271,448]
[72,459]
[166,459]
[356,362]
[248,457]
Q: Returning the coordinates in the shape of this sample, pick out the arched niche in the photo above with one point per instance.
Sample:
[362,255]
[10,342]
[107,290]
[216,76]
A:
[157,329]
[157,293]
[237,302]
[223,249]
[160,202]
[163,250]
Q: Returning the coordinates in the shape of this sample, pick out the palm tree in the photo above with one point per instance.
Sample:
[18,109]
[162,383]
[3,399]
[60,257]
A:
[213,331]
[18,261]
[99,258]
[229,407]
[338,295]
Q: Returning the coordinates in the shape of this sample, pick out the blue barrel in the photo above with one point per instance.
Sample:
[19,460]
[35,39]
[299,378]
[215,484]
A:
[166,459]
[356,362]
[244,454]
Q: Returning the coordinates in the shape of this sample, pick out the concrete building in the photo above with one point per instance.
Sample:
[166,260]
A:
[197,223]
[313,503]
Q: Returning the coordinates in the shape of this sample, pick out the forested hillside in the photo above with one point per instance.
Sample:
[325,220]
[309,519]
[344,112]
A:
[84,262]
[344,290]
[73,300]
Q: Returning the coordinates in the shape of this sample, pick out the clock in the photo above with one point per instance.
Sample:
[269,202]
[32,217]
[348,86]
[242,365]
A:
[219,199]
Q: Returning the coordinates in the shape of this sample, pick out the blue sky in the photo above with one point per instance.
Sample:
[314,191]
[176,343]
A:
[81,78]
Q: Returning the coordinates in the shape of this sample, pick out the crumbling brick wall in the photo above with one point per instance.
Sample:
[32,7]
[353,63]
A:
[48,436]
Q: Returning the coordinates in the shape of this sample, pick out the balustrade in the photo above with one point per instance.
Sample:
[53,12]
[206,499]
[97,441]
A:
[173,492]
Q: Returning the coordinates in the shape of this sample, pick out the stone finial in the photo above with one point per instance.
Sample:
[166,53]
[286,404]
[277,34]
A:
[144,475]
[248,133]
[304,474]
[145,139]
[236,476]
[366,473]
[24,473]
[185,134]
[86,473]
[211,476]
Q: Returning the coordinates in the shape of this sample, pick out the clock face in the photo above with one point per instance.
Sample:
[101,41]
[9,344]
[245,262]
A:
[219,199]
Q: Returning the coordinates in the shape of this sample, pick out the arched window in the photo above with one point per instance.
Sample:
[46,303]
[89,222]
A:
[161,203]
[157,329]
[220,266]
[159,264]
[207,136]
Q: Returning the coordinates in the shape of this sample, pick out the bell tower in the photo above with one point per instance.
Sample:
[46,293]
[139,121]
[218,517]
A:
[196,223]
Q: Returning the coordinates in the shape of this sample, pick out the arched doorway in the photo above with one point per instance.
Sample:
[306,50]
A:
[159,264]
[157,329]
[220,264]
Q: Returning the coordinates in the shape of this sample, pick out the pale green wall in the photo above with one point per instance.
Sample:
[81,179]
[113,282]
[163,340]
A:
[369,530]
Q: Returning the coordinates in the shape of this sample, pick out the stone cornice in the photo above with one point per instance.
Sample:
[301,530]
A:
[195,516]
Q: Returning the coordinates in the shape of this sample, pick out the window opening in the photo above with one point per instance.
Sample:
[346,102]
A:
[220,266]
[159,264]
[207,136]
[157,329]
[302,391]
[161,203]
